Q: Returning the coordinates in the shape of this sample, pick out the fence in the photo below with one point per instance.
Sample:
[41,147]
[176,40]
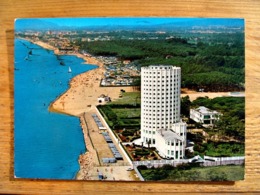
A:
[224,158]
[159,163]
[220,161]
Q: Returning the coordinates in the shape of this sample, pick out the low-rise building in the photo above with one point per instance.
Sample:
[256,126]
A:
[171,143]
[103,98]
[204,116]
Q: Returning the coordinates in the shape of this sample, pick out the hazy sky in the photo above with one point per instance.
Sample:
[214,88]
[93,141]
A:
[125,21]
[54,23]
[107,21]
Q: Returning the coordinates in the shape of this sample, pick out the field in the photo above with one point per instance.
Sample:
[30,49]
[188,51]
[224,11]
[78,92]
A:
[128,98]
[184,173]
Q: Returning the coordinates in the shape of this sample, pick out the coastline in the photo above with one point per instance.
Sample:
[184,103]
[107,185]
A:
[75,80]
[85,160]
[81,97]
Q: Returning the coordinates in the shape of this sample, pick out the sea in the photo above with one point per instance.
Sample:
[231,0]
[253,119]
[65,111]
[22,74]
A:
[46,144]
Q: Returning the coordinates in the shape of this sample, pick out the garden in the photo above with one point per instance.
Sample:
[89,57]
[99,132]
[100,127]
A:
[139,153]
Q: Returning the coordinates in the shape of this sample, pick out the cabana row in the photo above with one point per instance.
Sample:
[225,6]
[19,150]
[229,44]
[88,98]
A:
[98,122]
[112,146]
[107,137]
[115,152]
[109,160]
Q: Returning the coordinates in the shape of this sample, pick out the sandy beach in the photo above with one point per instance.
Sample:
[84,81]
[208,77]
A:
[84,89]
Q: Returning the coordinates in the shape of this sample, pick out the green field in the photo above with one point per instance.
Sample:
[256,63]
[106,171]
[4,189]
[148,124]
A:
[128,98]
[127,112]
[218,173]
[123,113]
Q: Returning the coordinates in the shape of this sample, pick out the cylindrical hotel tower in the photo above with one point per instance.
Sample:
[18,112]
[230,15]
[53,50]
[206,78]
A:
[160,99]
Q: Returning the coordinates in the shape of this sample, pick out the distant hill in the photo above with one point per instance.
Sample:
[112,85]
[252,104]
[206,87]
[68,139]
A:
[206,22]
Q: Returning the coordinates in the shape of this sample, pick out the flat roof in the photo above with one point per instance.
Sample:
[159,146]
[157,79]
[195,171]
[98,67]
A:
[204,110]
[160,67]
[169,135]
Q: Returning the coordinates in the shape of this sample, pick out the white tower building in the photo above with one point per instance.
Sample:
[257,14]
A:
[160,110]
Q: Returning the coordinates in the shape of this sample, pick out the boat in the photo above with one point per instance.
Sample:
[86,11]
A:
[69,71]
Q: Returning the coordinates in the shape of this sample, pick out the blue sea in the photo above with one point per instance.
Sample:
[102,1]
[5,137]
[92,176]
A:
[46,145]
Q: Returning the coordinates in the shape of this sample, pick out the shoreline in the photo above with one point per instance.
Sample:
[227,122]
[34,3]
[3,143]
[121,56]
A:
[81,97]
[90,60]
[85,160]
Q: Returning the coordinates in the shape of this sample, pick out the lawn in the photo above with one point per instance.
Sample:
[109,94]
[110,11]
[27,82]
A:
[217,173]
[127,112]
[128,98]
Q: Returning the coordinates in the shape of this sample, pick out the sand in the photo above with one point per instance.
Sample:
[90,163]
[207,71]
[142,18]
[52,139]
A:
[194,94]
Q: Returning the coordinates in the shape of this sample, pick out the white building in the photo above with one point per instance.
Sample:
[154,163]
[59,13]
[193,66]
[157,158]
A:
[103,98]
[160,110]
[171,143]
[204,116]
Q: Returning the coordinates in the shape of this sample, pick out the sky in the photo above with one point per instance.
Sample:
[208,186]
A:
[54,23]
[107,21]
[77,22]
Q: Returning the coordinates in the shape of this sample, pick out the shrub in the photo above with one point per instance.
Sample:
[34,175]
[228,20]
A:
[142,167]
[217,176]
[140,152]
[167,167]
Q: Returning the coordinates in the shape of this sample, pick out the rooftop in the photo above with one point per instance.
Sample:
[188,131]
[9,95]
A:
[169,135]
[160,66]
[204,110]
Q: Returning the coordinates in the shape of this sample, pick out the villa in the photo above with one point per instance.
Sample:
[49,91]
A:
[204,116]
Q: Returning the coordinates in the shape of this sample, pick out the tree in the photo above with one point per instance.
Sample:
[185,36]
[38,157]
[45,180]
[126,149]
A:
[185,106]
